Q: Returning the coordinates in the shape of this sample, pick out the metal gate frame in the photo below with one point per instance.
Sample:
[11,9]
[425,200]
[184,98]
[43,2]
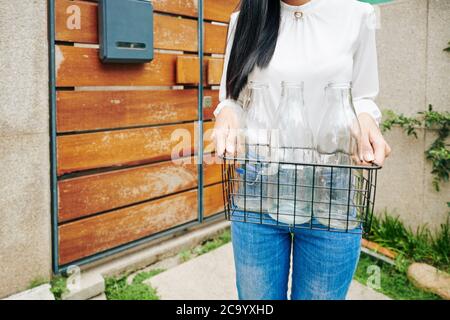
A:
[57,268]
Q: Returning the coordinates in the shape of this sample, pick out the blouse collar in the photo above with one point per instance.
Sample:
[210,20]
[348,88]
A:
[290,10]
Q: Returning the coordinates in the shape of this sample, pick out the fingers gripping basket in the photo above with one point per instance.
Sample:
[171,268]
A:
[325,197]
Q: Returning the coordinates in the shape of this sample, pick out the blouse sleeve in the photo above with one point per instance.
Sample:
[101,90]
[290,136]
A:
[223,100]
[365,69]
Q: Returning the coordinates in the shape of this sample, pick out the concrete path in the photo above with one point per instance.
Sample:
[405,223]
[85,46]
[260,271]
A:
[211,276]
[39,293]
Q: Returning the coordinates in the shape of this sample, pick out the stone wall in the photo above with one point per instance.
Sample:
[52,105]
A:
[25,232]
[414,72]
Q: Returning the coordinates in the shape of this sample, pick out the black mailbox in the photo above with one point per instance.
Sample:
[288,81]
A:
[125,31]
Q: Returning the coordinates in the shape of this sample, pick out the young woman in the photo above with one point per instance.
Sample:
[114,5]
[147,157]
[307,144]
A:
[315,41]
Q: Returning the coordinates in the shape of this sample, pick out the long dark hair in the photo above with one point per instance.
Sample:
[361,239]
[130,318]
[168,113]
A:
[254,42]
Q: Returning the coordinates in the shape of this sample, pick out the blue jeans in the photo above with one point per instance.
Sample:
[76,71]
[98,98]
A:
[323,262]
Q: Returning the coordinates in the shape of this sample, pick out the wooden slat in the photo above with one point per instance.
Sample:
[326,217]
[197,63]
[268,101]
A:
[81,67]
[83,196]
[121,147]
[179,7]
[215,68]
[98,233]
[93,110]
[213,200]
[85,151]
[219,10]
[215,38]
[175,34]
[86,195]
[208,111]
[212,173]
[182,7]
[76,21]
[188,70]
[170,32]
[95,234]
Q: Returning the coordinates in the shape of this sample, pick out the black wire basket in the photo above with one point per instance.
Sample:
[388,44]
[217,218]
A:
[338,198]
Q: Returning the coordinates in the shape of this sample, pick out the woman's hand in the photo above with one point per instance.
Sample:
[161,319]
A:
[226,130]
[373,148]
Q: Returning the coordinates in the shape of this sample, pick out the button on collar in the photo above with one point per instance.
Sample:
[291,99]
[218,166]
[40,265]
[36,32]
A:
[298,14]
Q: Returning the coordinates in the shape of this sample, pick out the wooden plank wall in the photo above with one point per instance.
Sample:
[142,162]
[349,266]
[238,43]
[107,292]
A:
[117,126]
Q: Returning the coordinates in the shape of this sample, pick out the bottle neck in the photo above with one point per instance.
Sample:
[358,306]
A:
[255,85]
[256,97]
[257,92]
[338,96]
[292,93]
[259,113]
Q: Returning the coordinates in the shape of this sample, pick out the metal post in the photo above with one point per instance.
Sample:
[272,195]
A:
[53,160]
[200,113]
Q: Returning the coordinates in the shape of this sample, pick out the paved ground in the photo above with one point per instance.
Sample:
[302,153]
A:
[211,276]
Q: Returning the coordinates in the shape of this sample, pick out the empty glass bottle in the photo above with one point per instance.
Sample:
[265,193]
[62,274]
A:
[254,170]
[291,186]
[337,144]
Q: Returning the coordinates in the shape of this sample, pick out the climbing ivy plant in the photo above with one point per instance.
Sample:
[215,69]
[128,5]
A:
[438,153]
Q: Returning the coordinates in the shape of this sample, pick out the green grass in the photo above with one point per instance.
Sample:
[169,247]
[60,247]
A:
[418,246]
[206,246]
[119,289]
[394,282]
[185,255]
[37,282]
[58,286]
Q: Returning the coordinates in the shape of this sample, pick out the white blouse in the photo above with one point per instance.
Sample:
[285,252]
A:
[331,41]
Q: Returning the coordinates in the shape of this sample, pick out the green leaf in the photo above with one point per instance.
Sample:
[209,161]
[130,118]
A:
[438,153]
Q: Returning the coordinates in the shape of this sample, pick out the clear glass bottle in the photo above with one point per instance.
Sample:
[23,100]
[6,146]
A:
[253,172]
[337,144]
[292,144]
